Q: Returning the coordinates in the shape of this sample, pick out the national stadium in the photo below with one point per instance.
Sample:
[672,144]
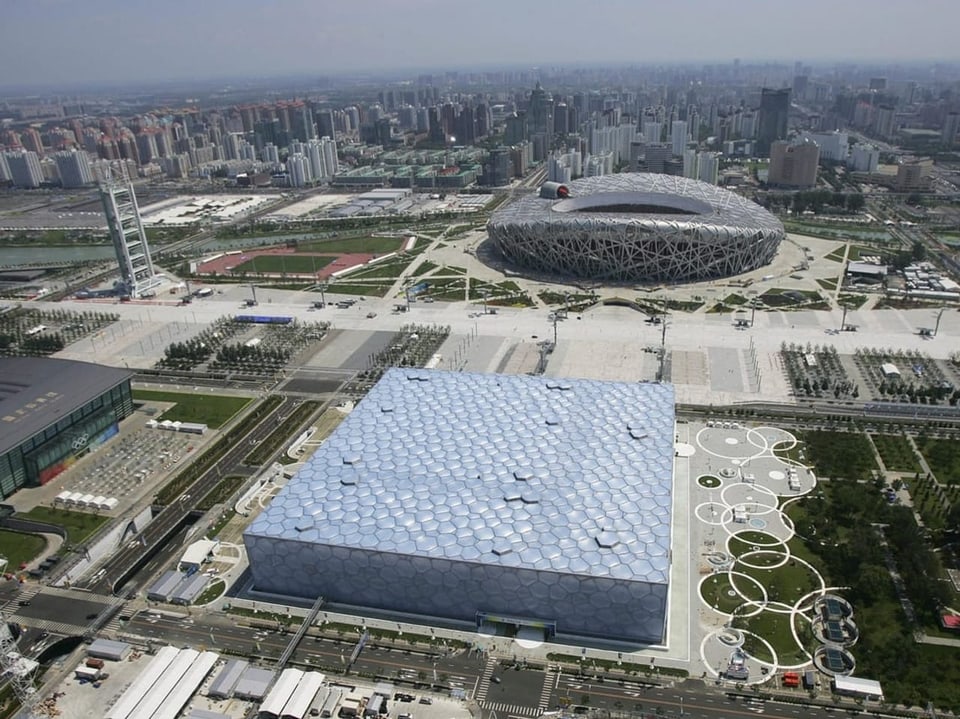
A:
[636,227]
[485,499]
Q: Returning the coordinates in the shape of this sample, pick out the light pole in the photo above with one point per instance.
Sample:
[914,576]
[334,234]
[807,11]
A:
[484,293]
[939,315]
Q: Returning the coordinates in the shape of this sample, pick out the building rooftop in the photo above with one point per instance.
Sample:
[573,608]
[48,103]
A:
[572,476]
[36,392]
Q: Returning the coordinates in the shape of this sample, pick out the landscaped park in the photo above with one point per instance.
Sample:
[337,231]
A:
[797,525]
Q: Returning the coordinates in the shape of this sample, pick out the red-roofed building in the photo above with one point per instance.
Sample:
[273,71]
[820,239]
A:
[950,622]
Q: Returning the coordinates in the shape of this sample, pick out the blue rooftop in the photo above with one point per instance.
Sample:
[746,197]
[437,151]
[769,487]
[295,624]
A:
[565,475]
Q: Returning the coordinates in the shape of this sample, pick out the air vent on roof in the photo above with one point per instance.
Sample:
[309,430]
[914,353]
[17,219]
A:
[512,495]
[348,480]
[606,540]
[552,421]
[530,498]
[304,525]
[502,548]
[561,386]
[386,408]
[638,433]
[351,458]
[522,475]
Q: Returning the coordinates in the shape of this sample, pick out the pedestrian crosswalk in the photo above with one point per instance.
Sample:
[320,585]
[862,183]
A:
[69,630]
[546,692]
[504,710]
[483,685]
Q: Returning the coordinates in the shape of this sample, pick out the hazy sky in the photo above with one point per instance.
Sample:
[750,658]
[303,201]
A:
[66,42]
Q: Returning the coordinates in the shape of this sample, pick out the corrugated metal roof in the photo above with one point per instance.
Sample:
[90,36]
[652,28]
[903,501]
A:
[467,467]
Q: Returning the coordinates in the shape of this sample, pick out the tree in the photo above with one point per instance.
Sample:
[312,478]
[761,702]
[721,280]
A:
[855,202]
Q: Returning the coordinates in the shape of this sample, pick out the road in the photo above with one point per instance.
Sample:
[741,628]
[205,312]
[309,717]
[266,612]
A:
[518,691]
[131,558]
[383,659]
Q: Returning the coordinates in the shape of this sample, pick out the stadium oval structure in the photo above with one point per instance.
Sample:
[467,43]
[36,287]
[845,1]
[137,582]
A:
[636,227]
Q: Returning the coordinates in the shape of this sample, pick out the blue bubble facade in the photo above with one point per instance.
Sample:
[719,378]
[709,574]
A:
[447,494]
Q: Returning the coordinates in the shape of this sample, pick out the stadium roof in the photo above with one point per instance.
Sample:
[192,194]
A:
[572,476]
[641,195]
[36,392]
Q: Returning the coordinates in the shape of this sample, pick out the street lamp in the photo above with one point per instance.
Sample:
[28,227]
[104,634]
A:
[322,287]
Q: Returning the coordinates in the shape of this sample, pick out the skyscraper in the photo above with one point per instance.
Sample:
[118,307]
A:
[774,110]
[25,170]
[678,137]
[540,122]
[74,168]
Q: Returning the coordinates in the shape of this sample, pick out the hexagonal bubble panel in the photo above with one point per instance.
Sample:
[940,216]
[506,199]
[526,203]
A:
[440,449]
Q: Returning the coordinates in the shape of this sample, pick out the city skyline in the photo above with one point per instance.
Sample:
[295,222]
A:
[106,42]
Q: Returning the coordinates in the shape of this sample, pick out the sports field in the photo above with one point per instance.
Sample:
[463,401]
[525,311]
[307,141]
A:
[294,264]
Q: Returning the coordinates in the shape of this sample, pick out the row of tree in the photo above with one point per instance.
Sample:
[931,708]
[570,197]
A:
[815,201]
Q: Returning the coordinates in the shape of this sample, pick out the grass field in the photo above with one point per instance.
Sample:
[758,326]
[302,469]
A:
[299,264]
[363,245]
[79,525]
[19,548]
[211,410]
[372,290]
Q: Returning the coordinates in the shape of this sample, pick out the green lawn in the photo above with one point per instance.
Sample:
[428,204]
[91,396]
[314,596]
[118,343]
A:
[79,525]
[716,592]
[211,592]
[896,452]
[298,264]
[212,410]
[775,628]
[371,290]
[359,245]
[19,548]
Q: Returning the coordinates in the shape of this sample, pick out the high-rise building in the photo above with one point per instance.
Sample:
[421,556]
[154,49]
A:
[951,127]
[884,122]
[25,170]
[793,164]
[691,164]
[655,157]
[129,238]
[833,145]
[298,169]
[709,170]
[864,158]
[774,111]
[497,172]
[679,137]
[540,121]
[652,132]
[73,166]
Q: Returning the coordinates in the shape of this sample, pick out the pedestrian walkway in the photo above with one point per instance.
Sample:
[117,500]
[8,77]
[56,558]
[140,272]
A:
[549,678]
[69,630]
[484,685]
[503,709]
[26,593]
